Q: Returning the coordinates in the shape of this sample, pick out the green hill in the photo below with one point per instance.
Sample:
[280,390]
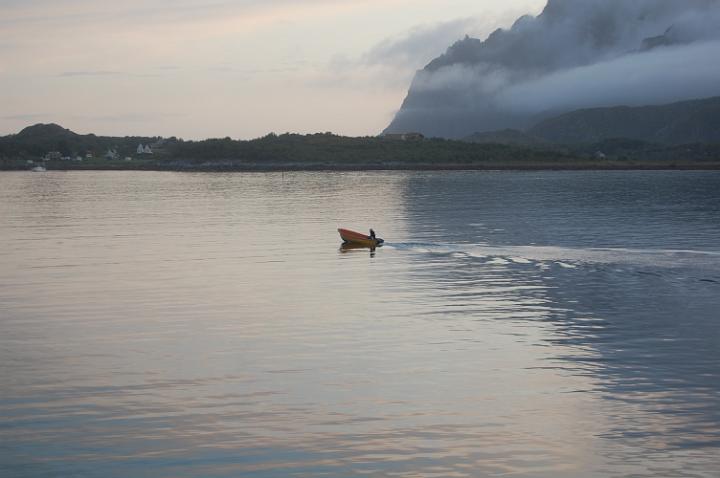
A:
[37,140]
[686,122]
[506,136]
[45,132]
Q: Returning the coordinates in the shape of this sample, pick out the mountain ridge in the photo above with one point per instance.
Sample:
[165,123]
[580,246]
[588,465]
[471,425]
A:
[682,122]
[575,54]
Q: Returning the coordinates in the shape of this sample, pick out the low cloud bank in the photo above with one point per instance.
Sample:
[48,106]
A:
[576,54]
[661,76]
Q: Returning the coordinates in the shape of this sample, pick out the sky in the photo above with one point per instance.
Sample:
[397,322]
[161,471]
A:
[198,69]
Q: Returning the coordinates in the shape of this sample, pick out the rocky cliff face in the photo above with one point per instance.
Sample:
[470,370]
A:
[575,54]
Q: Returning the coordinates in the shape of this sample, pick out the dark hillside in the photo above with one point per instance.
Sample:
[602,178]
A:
[686,122]
[38,140]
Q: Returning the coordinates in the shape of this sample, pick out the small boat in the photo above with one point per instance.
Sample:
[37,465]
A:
[39,169]
[359,239]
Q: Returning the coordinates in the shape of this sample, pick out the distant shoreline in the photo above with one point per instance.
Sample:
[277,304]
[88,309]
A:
[60,149]
[281,166]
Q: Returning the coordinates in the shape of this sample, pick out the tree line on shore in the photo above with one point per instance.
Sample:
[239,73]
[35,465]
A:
[33,143]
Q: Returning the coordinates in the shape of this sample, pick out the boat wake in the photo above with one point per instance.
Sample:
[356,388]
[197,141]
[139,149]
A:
[570,258]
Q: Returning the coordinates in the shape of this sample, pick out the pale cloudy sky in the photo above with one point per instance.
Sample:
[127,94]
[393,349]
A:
[215,68]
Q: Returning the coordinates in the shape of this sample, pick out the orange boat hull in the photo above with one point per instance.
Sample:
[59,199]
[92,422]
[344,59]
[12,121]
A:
[352,237]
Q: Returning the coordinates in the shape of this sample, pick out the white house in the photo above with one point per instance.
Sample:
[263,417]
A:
[144,149]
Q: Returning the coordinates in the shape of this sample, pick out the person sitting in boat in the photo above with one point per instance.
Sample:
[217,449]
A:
[372,234]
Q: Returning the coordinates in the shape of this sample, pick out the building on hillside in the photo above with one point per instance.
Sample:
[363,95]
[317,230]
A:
[111,154]
[53,155]
[144,149]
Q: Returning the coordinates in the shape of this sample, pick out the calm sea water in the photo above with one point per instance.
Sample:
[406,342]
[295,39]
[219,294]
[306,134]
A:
[552,324]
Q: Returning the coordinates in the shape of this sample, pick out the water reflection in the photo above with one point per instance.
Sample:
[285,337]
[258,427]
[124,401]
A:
[542,325]
[640,323]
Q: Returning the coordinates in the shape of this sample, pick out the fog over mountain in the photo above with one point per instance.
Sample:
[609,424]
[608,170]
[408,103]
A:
[575,54]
